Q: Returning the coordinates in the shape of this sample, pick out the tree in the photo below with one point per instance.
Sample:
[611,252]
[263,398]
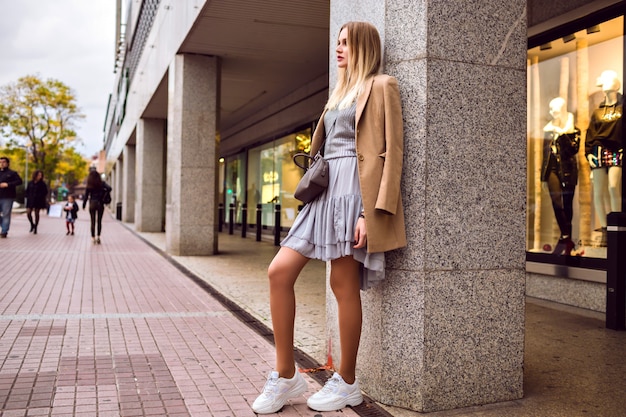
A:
[40,115]
[72,168]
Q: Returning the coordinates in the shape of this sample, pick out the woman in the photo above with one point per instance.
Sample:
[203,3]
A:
[351,224]
[95,192]
[36,199]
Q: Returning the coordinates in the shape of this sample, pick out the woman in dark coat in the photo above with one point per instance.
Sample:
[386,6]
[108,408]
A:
[95,191]
[36,199]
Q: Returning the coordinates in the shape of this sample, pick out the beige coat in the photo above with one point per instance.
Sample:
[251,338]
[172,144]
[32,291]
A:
[379,148]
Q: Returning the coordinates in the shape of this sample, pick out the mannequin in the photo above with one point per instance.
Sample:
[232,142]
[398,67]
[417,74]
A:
[604,149]
[559,169]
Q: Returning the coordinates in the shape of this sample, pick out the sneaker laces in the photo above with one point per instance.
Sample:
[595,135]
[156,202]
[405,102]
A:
[269,389]
[332,385]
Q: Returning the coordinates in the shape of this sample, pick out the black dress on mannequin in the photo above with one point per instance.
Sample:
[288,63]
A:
[560,171]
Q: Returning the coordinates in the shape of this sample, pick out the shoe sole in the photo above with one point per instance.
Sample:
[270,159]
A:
[352,400]
[297,391]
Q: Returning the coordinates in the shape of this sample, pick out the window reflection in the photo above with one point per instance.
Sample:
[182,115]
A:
[575,140]
[272,178]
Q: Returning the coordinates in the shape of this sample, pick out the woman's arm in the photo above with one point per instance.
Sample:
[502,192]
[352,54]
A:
[44,189]
[14,179]
[389,192]
[87,194]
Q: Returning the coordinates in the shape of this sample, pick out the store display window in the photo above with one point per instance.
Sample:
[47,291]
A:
[273,176]
[234,186]
[575,140]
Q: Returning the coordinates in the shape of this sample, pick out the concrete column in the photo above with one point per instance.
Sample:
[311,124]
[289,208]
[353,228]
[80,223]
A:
[192,141]
[118,187]
[150,169]
[128,192]
[446,328]
[111,181]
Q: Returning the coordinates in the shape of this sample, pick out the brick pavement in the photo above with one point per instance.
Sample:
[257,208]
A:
[117,330]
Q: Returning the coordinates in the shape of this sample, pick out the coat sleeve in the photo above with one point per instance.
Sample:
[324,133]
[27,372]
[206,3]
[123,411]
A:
[14,179]
[29,190]
[389,193]
[591,133]
[44,190]
[87,194]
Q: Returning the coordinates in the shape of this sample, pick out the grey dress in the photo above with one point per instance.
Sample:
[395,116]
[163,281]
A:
[324,229]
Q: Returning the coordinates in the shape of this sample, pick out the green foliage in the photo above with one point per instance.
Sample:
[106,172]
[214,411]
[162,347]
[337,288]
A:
[40,116]
[72,168]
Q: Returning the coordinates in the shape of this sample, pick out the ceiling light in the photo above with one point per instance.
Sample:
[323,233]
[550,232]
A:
[593,29]
[569,38]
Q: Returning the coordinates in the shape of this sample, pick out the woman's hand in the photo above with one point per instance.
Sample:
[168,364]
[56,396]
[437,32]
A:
[360,234]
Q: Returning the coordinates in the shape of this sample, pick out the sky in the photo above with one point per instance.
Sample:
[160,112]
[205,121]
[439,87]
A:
[72,41]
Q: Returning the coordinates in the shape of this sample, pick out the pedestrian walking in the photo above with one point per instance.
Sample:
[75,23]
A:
[9,179]
[71,214]
[351,224]
[95,193]
[36,199]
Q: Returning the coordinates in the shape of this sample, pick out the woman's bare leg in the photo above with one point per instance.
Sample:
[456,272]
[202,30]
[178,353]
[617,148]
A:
[345,283]
[283,272]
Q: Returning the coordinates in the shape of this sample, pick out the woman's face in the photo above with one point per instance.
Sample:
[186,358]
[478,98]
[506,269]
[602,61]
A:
[343,52]
[39,176]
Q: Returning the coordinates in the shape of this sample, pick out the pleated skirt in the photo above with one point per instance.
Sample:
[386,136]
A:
[324,228]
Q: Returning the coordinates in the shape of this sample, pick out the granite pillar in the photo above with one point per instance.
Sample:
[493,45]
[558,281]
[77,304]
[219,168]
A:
[446,328]
[118,186]
[150,169]
[128,190]
[111,181]
[192,146]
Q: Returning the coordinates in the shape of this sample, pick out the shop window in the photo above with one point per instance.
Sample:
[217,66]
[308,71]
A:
[575,140]
[234,186]
[273,176]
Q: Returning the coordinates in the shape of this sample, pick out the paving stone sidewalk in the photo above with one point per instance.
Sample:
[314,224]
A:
[117,330]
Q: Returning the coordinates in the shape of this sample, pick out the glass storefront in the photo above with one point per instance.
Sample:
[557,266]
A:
[575,139]
[266,175]
[234,186]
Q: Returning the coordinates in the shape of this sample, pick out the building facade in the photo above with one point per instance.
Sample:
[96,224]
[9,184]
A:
[212,99]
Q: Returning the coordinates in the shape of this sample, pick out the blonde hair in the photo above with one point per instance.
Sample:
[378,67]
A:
[365,57]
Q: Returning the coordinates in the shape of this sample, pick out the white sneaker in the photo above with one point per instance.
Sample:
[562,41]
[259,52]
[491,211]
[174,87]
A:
[335,395]
[277,391]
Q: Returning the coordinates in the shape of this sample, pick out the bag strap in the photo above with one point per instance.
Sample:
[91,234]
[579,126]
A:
[305,156]
[320,151]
